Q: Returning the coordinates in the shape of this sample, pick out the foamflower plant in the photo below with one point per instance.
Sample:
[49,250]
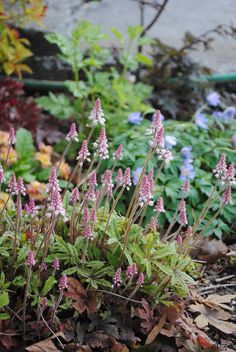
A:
[75,252]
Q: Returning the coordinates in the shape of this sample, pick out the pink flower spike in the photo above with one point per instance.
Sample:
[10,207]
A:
[107,182]
[93,217]
[189,231]
[221,168]
[165,154]
[84,153]
[12,186]
[63,283]
[30,259]
[120,177]
[32,210]
[118,155]
[88,233]
[2,177]
[131,270]
[230,174]
[53,183]
[183,215]
[140,280]
[97,116]
[72,134]
[86,216]
[159,207]
[145,193]
[21,187]
[153,223]
[12,136]
[227,197]
[117,278]
[91,194]
[151,181]
[74,196]
[186,188]
[56,264]
[56,205]
[179,239]
[44,267]
[101,146]
[93,179]
[127,179]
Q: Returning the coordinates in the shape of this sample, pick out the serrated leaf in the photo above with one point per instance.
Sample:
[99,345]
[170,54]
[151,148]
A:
[48,285]
[4,299]
[24,144]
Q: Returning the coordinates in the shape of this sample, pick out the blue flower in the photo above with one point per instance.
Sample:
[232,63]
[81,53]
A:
[135,118]
[229,113]
[187,171]
[213,99]
[136,174]
[186,152]
[170,141]
[218,114]
[234,140]
[201,120]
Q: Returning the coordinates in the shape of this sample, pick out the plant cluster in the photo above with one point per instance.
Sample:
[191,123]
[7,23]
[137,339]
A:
[196,145]
[13,48]
[74,253]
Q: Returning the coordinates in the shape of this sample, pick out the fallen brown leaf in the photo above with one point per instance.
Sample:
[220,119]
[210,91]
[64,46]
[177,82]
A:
[156,330]
[45,345]
[85,300]
[210,250]
[215,300]
[216,318]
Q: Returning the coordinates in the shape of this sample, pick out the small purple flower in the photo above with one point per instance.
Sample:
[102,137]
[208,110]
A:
[234,139]
[201,120]
[170,141]
[187,172]
[213,99]
[218,114]
[186,152]
[136,174]
[135,118]
[229,113]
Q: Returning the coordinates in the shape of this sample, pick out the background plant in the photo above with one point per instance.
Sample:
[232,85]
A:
[14,49]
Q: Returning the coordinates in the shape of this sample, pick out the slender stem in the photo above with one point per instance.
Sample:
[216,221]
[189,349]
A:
[25,298]
[63,155]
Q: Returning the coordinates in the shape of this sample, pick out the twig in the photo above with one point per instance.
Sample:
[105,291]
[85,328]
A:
[212,287]
[225,278]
